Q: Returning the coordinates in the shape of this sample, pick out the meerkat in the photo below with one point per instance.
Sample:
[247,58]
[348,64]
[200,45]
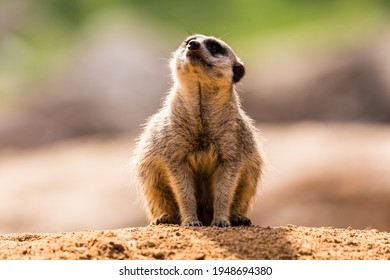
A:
[198,159]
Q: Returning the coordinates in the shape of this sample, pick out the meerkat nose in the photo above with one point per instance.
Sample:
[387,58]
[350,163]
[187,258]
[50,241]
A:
[193,45]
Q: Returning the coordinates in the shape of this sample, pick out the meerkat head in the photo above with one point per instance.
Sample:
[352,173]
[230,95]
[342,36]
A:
[208,59]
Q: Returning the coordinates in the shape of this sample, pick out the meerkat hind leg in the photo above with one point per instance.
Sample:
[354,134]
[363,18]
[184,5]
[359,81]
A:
[245,192]
[166,219]
[163,207]
[239,220]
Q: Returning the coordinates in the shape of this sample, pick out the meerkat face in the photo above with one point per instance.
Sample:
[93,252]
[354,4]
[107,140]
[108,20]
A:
[206,58]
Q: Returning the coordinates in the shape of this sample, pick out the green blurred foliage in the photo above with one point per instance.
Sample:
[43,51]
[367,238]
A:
[220,17]
[31,51]
[241,18]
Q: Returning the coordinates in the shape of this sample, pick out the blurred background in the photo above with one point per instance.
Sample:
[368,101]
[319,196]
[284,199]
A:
[78,78]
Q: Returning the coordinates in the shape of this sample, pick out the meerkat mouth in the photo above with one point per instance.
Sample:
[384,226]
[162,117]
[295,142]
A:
[196,59]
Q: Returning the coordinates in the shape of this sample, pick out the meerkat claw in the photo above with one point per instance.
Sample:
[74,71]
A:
[221,223]
[193,224]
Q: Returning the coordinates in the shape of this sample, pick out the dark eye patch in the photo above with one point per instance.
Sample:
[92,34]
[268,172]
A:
[215,48]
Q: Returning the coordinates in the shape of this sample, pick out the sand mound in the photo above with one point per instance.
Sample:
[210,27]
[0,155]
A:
[174,242]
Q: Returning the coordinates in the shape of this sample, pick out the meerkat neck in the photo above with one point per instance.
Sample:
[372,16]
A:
[200,95]
[202,105]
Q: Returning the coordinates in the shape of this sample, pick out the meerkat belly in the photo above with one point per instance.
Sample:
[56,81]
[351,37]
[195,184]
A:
[203,163]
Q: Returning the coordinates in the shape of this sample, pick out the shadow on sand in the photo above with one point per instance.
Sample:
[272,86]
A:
[251,242]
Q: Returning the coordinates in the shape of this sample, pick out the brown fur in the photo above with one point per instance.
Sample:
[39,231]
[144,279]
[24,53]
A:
[198,160]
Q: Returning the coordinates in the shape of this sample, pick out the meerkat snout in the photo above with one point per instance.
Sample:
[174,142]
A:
[193,45]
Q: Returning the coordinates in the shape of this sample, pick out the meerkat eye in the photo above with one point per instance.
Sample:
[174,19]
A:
[215,48]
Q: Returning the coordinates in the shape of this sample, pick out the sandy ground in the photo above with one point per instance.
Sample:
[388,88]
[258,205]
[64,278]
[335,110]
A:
[174,242]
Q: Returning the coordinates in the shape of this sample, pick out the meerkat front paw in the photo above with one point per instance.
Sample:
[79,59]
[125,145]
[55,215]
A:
[192,224]
[165,219]
[220,223]
[240,220]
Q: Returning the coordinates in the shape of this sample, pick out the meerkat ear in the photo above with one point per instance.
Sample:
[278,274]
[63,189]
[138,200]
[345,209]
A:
[238,72]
